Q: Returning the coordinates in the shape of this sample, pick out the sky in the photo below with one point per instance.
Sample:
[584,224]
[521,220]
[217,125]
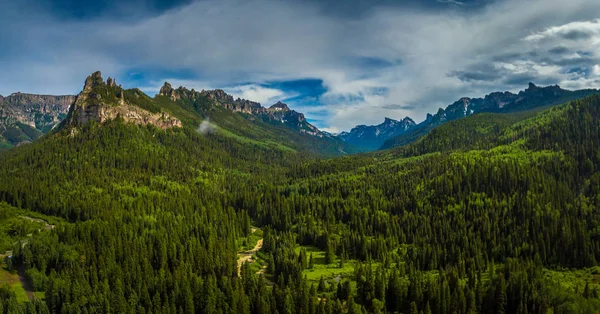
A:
[341,63]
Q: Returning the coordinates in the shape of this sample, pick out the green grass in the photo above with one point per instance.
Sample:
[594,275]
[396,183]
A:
[328,271]
[11,278]
[40,295]
[248,243]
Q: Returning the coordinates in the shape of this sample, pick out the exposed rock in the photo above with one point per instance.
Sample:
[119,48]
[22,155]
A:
[111,82]
[25,117]
[101,102]
[279,106]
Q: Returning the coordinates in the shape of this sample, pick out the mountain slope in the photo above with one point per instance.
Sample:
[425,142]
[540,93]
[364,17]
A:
[373,136]
[498,102]
[25,117]
[247,120]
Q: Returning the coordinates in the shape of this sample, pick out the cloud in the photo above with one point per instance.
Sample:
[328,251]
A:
[206,127]
[414,57]
[258,93]
[579,30]
[451,2]
[401,107]
[559,50]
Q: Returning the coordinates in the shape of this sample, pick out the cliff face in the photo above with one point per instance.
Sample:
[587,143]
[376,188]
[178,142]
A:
[25,117]
[100,102]
[42,112]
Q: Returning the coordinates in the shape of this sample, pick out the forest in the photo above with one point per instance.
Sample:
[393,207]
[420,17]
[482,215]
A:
[494,213]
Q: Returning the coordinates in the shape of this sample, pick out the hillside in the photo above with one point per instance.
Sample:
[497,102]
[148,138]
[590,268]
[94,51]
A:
[498,102]
[249,121]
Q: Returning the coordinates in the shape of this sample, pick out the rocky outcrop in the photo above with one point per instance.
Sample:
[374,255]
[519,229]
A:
[100,102]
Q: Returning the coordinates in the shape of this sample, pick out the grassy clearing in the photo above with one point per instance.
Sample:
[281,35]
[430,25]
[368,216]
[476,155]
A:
[11,278]
[328,271]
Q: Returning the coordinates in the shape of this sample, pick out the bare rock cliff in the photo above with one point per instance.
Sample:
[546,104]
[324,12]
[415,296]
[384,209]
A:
[100,102]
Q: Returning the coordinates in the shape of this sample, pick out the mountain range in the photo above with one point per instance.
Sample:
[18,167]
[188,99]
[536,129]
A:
[207,111]
[25,117]
[393,133]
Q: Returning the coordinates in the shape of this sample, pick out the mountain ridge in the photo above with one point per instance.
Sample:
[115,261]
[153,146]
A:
[496,102]
[276,112]
[371,137]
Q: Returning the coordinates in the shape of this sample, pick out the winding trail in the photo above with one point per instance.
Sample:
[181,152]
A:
[47,226]
[246,256]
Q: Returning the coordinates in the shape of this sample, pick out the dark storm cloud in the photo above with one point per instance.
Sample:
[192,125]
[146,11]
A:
[559,50]
[577,35]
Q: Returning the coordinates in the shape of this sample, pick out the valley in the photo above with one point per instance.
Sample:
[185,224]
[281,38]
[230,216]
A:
[128,205]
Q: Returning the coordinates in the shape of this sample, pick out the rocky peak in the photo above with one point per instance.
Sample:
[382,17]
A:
[389,121]
[100,102]
[166,89]
[531,87]
[373,136]
[95,79]
[111,82]
[408,121]
[219,96]
[279,106]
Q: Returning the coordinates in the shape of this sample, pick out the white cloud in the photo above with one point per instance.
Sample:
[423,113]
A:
[572,30]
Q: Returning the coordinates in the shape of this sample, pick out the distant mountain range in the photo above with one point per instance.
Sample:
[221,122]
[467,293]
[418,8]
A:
[373,136]
[394,133]
[25,117]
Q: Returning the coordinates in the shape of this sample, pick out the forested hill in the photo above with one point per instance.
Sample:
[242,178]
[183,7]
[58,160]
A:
[152,220]
[498,102]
